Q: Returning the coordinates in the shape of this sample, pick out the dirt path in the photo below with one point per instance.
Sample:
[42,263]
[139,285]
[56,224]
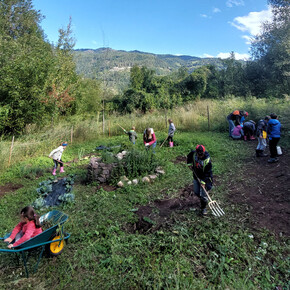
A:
[263,190]
[260,190]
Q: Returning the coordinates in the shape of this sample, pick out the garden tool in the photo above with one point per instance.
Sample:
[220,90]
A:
[164,141]
[213,205]
[121,127]
[60,162]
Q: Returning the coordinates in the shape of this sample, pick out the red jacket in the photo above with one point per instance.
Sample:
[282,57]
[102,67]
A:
[29,231]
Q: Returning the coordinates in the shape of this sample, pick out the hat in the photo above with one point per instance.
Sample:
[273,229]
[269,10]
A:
[64,144]
[200,149]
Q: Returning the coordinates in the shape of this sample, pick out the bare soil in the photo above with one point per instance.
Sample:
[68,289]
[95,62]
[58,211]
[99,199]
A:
[9,187]
[263,189]
[260,190]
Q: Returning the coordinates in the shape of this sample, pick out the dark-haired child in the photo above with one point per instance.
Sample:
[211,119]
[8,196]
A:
[28,228]
[56,156]
[200,163]
[149,139]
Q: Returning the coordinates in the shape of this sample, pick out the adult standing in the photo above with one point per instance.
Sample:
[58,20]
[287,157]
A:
[274,133]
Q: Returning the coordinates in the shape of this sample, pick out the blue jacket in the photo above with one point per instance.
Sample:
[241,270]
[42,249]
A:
[274,129]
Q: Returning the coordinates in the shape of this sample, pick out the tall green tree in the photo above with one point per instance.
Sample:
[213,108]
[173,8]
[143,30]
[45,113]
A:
[272,49]
[25,59]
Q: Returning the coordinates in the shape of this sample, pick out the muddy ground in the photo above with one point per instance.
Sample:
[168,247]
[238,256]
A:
[260,194]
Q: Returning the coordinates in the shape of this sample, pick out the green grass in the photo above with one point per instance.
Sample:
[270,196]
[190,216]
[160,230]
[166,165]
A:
[189,253]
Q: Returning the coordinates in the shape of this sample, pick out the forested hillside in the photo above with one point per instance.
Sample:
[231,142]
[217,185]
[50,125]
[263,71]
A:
[114,65]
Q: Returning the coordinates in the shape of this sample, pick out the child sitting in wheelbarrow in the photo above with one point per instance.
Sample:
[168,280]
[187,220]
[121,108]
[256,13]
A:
[28,228]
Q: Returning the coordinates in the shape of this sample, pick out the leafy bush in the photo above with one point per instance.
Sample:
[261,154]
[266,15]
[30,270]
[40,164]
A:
[135,164]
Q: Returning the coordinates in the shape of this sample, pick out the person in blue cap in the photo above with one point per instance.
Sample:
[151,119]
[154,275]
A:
[56,156]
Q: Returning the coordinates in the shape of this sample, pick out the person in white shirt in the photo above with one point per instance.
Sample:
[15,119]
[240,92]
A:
[56,156]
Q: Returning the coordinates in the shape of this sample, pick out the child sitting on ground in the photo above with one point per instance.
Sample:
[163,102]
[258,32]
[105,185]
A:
[28,228]
[238,132]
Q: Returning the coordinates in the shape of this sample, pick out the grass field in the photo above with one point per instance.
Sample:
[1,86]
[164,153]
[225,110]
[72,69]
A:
[188,252]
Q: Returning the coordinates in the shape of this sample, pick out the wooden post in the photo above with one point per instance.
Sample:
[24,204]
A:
[208,123]
[103,116]
[11,148]
[71,134]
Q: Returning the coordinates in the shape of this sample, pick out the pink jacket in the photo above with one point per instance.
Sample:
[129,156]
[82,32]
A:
[153,140]
[29,231]
[237,131]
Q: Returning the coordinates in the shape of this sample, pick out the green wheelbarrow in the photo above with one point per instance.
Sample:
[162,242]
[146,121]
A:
[51,239]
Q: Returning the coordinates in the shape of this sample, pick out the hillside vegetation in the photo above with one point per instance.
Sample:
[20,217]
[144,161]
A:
[114,66]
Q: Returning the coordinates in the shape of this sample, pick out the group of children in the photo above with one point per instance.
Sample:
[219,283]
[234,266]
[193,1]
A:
[269,127]
[149,137]
[198,160]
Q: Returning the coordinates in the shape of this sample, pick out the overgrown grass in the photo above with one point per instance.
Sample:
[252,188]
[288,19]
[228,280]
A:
[192,117]
[189,252]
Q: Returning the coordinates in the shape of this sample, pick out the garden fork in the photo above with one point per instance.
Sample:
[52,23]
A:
[213,205]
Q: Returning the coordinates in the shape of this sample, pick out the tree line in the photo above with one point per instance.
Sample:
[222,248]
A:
[39,83]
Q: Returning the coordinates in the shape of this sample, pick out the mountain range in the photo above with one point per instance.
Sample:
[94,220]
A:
[113,66]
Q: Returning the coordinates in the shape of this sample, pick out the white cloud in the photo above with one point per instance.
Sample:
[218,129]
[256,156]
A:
[238,56]
[207,55]
[248,39]
[204,15]
[216,10]
[252,23]
[232,3]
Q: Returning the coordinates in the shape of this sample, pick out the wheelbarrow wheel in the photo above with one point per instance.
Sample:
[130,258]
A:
[56,248]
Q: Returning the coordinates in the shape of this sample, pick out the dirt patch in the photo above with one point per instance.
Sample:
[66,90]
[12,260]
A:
[9,187]
[179,159]
[263,190]
[260,190]
[159,214]
[106,187]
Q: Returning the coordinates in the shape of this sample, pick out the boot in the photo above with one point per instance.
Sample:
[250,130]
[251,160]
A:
[54,171]
[272,160]
[203,207]
[262,154]
[258,153]
[170,144]
[61,170]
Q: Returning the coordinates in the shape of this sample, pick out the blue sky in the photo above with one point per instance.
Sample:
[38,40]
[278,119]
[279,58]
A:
[211,28]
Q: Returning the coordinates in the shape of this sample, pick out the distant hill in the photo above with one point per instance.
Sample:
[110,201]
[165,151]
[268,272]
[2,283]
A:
[113,66]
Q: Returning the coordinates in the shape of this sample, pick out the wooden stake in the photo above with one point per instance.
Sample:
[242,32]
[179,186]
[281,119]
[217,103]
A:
[208,123]
[11,148]
[71,134]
